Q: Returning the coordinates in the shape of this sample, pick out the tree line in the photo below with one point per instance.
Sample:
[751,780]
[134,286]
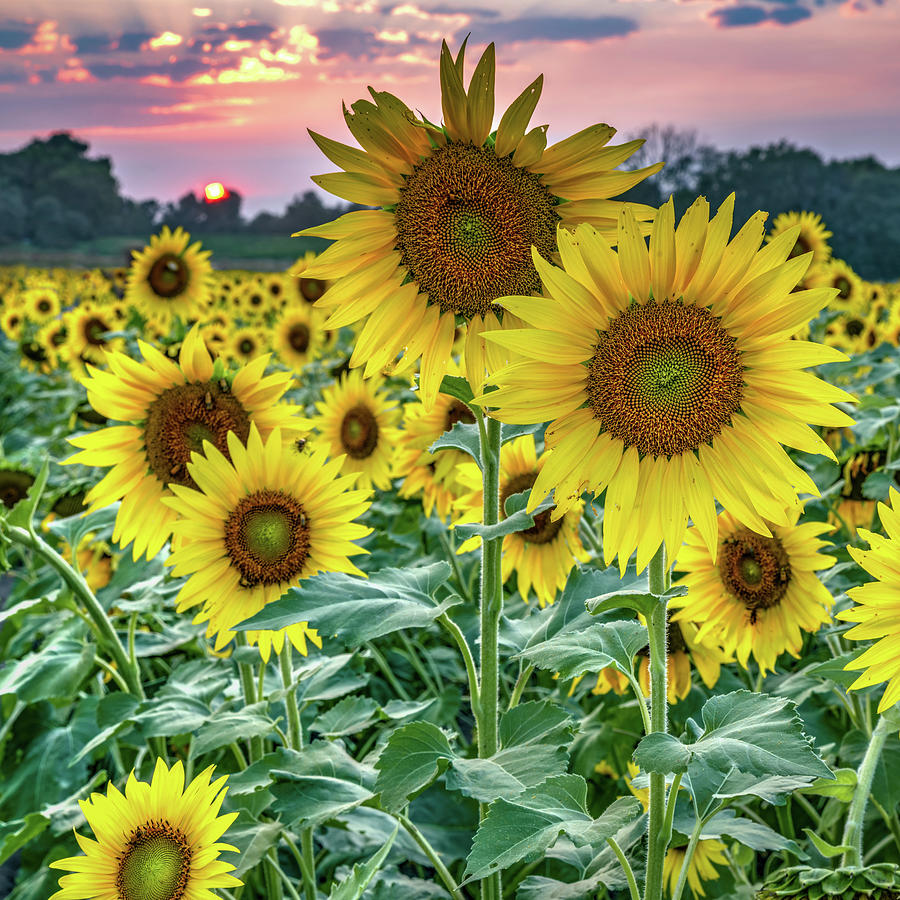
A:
[53,194]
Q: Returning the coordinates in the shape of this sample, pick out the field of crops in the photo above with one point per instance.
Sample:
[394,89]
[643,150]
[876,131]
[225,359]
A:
[368,579]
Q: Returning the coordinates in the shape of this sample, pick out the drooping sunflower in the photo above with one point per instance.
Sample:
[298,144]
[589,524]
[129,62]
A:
[460,209]
[670,377]
[169,278]
[297,336]
[543,555]
[157,841]
[708,854]
[877,608]
[263,519]
[171,410]
[756,595]
[357,423]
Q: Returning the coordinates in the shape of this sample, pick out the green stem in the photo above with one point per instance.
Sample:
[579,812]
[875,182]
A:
[416,663]
[853,829]
[248,685]
[285,880]
[519,686]
[450,553]
[74,580]
[113,673]
[686,862]
[309,857]
[460,639]
[657,839]
[439,867]
[626,866]
[491,609]
[305,871]
[382,664]
[890,820]
[642,701]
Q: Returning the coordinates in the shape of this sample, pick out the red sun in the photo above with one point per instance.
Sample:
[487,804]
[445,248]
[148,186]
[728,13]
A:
[215,190]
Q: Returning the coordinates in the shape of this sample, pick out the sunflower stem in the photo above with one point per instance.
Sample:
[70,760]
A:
[74,580]
[853,829]
[491,608]
[657,838]
[248,685]
[309,857]
[688,856]
[519,686]
[432,854]
[460,639]
[626,868]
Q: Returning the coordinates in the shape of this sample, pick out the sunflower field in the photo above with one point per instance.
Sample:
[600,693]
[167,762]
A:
[526,543]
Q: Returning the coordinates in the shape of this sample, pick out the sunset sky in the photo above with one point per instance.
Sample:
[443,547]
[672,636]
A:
[180,94]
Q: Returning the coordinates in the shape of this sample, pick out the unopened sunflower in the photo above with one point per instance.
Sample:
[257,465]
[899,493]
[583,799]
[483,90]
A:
[171,410]
[755,595]
[460,209]
[157,841]
[877,609]
[670,378]
[357,423]
[542,555]
[169,278]
[263,519]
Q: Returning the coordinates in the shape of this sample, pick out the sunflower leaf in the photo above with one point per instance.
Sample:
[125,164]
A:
[22,513]
[348,716]
[459,388]
[356,610]
[600,645]
[516,520]
[462,436]
[525,827]
[643,603]
[352,887]
[54,672]
[413,757]
[237,724]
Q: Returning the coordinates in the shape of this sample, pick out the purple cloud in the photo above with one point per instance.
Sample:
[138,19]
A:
[15,35]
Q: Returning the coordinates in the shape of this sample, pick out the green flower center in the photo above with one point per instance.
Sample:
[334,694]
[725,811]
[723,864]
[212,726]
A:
[169,276]
[181,418]
[267,538]
[755,570]
[466,222]
[665,378]
[359,432]
[155,865]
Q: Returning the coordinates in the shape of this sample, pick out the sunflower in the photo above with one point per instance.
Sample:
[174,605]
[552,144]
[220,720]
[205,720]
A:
[246,344]
[171,409]
[298,634]
[461,208]
[357,423]
[12,322]
[756,594]
[543,555]
[263,519]
[877,605]
[433,476]
[52,338]
[854,509]
[14,485]
[708,854]
[812,237]
[670,377]
[300,288]
[158,841]
[169,278]
[41,304]
[851,295]
[254,300]
[87,327]
[851,331]
[297,336]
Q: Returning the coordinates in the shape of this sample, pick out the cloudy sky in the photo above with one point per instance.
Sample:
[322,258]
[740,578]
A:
[181,94]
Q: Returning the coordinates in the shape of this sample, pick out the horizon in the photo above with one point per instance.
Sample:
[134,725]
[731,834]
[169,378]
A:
[179,95]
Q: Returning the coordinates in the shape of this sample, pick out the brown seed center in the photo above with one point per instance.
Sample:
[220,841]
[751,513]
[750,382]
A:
[359,432]
[755,570]
[169,276]
[298,337]
[665,378]
[181,418]
[311,289]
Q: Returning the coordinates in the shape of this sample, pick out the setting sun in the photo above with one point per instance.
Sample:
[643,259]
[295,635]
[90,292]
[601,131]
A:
[215,190]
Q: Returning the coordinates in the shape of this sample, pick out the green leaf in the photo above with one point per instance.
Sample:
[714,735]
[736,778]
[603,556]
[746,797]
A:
[643,602]
[19,832]
[755,835]
[113,712]
[352,887]
[348,716]
[535,722]
[834,669]
[663,753]
[829,851]
[462,436]
[601,644]
[511,432]
[328,677]
[252,838]
[458,387]
[167,716]
[517,520]
[23,512]
[356,610]
[523,828]
[842,786]
[482,779]
[412,758]
[56,671]
[225,727]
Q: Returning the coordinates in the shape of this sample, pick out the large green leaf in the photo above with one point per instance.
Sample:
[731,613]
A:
[516,519]
[348,716]
[412,758]
[225,727]
[747,738]
[575,652]
[355,610]
[462,436]
[755,835]
[54,672]
[167,716]
[523,828]
[19,832]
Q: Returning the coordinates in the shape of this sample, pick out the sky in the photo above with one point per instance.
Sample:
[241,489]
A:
[180,94]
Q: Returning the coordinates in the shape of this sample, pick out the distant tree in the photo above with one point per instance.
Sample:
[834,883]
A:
[13,212]
[197,214]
